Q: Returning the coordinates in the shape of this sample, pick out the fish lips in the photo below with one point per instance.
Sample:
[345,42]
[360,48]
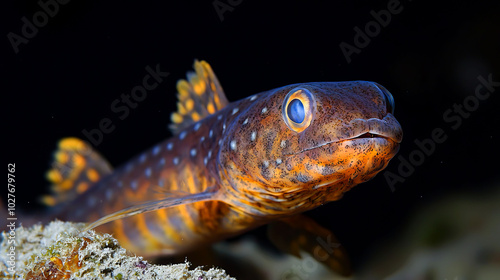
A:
[388,128]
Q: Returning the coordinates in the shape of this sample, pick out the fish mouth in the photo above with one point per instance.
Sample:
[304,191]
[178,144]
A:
[385,131]
[367,135]
[370,135]
[387,128]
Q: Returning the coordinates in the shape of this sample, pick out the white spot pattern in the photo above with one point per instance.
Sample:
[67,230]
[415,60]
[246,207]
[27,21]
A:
[283,144]
[109,194]
[148,172]
[156,150]
[182,135]
[91,201]
[253,136]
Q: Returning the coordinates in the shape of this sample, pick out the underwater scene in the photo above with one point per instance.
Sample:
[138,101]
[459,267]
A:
[234,139]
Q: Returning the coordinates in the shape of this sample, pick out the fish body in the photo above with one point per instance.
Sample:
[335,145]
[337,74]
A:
[233,166]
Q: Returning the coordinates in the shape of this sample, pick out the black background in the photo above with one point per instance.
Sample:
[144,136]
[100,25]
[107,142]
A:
[429,56]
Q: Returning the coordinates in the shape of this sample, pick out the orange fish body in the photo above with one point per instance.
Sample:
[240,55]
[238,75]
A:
[231,166]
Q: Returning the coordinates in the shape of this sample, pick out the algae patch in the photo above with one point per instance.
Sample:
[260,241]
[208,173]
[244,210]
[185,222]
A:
[58,251]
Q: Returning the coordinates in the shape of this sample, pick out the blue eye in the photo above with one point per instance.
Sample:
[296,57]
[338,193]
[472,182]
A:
[296,111]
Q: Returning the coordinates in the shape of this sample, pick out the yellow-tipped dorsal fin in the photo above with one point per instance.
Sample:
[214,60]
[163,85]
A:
[198,97]
[75,169]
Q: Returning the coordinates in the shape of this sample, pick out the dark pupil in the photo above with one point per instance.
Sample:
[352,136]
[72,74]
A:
[295,111]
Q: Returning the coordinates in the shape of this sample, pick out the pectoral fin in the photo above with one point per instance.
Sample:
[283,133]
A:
[171,201]
[300,233]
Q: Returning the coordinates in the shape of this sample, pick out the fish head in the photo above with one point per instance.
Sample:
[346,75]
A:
[306,144]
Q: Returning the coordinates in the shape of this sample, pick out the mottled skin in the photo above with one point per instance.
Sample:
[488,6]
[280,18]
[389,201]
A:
[315,166]
[255,167]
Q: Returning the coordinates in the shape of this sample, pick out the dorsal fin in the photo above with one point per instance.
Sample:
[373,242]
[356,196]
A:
[199,96]
[75,169]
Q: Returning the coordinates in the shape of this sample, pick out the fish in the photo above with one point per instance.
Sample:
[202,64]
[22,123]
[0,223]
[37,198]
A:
[233,166]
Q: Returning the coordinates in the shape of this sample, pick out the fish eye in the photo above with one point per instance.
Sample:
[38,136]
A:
[295,111]
[389,100]
[298,109]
